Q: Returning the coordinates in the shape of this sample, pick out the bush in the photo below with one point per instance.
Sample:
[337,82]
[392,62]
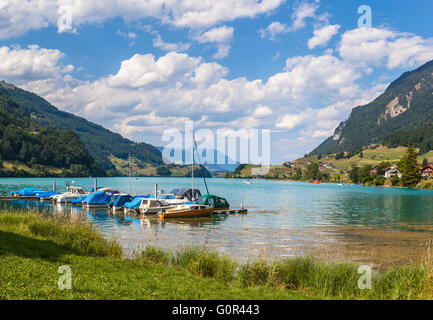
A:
[395,181]
[379,181]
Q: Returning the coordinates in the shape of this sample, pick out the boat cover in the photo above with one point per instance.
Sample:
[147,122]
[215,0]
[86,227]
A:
[93,188]
[134,203]
[79,199]
[28,192]
[99,197]
[120,200]
[47,194]
[187,193]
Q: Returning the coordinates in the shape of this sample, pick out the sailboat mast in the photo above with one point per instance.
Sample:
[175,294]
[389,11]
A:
[129,171]
[192,170]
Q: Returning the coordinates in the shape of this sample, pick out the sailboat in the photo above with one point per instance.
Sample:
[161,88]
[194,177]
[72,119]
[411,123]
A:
[189,209]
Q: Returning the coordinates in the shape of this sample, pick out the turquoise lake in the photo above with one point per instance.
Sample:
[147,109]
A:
[284,219]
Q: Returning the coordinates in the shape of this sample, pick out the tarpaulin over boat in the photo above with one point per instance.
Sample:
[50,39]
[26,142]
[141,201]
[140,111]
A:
[214,201]
[99,197]
[28,192]
[47,194]
[79,200]
[187,193]
[93,188]
[134,203]
[120,200]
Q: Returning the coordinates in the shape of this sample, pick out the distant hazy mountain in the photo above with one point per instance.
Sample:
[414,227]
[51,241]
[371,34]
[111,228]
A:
[100,142]
[212,167]
[403,113]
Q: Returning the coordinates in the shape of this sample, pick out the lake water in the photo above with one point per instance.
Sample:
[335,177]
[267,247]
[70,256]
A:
[285,219]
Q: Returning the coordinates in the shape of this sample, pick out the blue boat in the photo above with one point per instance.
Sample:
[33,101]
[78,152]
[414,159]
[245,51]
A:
[97,199]
[118,201]
[47,195]
[134,203]
[79,200]
[27,192]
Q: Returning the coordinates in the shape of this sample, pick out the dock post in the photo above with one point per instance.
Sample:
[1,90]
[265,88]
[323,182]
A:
[156,191]
[54,186]
[96,185]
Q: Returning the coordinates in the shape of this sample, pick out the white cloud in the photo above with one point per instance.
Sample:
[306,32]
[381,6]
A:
[129,35]
[220,36]
[166,46]
[274,29]
[289,121]
[300,14]
[262,111]
[19,16]
[323,35]
[383,47]
[25,64]
[304,11]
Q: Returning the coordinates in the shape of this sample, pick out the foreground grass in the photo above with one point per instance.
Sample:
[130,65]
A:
[32,248]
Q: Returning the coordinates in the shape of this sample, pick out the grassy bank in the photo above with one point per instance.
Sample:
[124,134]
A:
[33,247]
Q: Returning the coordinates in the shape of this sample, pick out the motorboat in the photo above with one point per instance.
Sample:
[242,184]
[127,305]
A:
[186,211]
[67,197]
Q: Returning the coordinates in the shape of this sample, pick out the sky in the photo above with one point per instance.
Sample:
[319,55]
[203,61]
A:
[140,68]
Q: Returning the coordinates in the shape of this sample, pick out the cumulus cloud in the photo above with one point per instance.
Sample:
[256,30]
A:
[383,47]
[323,35]
[19,16]
[26,64]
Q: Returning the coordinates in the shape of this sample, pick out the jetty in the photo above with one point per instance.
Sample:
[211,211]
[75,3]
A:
[231,211]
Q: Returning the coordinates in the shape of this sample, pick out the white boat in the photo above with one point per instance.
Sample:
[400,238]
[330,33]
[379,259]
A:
[71,194]
[247,182]
[151,206]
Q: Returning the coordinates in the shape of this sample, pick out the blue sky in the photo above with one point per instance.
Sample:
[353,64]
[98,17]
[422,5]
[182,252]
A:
[139,68]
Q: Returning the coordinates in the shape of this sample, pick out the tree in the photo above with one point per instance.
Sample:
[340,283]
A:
[361,155]
[410,173]
[312,171]
[298,174]
[353,174]
[424,162]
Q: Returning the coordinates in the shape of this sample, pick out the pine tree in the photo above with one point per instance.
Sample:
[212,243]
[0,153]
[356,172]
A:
[424,162]
[410,172]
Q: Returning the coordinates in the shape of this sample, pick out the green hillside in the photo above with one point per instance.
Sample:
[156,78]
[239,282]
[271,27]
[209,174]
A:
[100,142]
[406,106]
[26,149]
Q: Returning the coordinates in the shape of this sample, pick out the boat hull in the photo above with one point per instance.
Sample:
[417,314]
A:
[186,213]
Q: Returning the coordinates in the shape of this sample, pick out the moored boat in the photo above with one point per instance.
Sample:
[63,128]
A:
[186,211]
[98,199]
[67,197]
[118,201]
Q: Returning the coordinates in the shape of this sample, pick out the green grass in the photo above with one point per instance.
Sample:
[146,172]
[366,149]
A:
[32,247]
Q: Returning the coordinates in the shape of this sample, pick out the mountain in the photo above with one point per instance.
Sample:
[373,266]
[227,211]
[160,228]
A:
[229,165]
[100,142]
[405,107]
[26,149]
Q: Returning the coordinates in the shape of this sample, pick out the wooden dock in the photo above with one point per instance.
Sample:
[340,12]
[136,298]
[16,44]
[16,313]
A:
[231,211]
[18,198]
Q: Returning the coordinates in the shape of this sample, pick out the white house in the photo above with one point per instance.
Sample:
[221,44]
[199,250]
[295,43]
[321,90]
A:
[392,172]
